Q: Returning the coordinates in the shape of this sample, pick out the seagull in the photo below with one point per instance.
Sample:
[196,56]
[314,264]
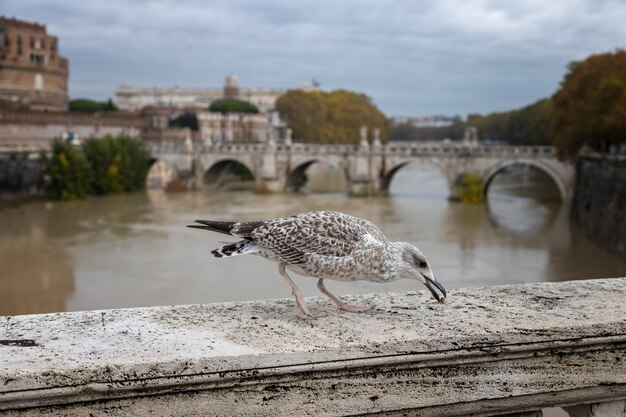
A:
[326,245]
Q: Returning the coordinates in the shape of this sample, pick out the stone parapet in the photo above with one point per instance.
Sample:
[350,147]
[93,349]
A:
[487,351]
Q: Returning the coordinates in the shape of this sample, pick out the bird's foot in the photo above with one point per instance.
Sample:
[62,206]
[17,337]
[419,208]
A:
[305,310]
[302,306]
[353,308]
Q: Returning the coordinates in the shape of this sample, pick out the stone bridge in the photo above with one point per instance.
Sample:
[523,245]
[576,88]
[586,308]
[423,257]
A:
[369,169]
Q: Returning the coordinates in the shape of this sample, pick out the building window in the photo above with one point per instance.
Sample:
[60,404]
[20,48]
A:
[37,58]
[42,43]
[32,43]
[19,45]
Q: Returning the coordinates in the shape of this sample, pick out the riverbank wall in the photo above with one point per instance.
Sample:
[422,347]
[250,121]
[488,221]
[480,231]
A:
[487,351]
[28,130]
[599,203]
[20,177]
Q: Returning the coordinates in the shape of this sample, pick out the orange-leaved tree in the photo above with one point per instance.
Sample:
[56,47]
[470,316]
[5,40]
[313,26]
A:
[590,106]
[334,117]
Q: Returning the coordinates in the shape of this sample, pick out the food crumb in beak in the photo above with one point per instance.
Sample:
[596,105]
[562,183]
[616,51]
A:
[442,300]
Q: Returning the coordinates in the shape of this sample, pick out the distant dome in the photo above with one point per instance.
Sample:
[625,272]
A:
[232,81]
[231,87]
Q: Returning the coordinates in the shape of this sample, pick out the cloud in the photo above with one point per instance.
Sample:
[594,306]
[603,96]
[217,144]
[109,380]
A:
[412,57]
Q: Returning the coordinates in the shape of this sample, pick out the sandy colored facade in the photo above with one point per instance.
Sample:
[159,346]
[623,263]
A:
[33,76]
[226,128]
[132,98]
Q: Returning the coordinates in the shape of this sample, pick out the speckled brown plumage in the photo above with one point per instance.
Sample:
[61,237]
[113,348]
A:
[325,245]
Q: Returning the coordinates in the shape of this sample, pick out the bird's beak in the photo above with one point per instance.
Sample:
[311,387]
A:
[433,285]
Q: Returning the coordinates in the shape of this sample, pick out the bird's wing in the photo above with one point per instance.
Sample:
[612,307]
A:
[245,229]
[294,238]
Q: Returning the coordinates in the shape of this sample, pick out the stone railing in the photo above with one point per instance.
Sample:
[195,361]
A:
[443,149]
[408,149]
[487,351]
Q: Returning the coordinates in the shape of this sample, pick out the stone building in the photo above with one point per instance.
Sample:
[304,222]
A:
[132,98]
[213,127]
[33,76]
[233,127]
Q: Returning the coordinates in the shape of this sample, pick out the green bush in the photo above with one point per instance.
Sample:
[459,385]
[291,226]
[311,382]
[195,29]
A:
[68,172]
[472,189]
[91,106]
[187,119]
[103,166]
[232,105]
[118,164]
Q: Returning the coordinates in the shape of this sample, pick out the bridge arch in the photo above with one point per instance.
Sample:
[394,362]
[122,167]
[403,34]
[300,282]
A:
[388,175]
[215,172]
[296,176]
[545,168]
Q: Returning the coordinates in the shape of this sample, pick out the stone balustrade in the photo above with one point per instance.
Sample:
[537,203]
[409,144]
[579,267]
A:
[485,352]
[396,148]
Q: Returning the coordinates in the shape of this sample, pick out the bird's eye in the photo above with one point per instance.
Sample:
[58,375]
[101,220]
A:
[423,264]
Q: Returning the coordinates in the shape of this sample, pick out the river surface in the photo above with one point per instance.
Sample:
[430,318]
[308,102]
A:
[134,250]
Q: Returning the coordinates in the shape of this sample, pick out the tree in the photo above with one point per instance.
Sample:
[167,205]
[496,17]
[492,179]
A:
[118,164]
[526,126]
[189,120]
[408,131]
[531,124]
[590,106]
[68,171]
[404,131]
[102,166]
[231,105]
[335,117]
[91,106]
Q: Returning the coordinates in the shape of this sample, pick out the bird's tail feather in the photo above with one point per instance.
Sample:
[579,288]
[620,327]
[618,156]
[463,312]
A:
[214,226]
[242,247]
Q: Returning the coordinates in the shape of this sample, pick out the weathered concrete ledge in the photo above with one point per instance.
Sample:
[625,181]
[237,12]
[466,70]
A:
[488,351]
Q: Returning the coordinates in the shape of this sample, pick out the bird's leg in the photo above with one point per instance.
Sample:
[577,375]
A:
[340,304]
[295,291]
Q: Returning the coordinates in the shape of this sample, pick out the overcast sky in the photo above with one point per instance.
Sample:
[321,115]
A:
[412,57]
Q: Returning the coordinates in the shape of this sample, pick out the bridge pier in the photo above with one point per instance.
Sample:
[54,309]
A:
[365,168]
[361,182]
[269,185]
[268,176]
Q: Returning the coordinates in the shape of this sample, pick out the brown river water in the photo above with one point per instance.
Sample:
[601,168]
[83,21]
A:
[134,250]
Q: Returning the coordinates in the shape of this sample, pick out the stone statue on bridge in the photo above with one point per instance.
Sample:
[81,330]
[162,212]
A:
[470,136]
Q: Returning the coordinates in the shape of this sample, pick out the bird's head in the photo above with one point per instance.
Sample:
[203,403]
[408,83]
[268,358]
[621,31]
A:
[414,265]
